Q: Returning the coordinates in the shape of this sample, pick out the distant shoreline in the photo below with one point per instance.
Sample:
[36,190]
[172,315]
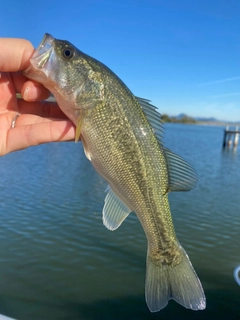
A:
[219,123]
[184,119]
[202,123]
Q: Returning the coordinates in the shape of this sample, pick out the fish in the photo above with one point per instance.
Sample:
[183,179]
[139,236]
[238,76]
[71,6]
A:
[122,136]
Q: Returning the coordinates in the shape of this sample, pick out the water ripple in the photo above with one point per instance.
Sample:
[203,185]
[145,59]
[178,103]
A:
[56,252]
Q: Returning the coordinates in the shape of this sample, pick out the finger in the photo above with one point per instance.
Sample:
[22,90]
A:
[40,108]
[8,99]
[23,137]
[32,91]
[18,80]
[15,54]
[29,119]
[24,120]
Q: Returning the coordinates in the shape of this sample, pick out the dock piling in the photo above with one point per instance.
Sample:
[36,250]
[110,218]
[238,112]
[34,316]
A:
[231,137]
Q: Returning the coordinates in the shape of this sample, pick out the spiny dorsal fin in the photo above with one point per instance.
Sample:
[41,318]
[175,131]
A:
[114,211]
[153,116]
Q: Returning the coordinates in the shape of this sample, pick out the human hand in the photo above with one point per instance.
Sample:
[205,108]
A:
[39,121]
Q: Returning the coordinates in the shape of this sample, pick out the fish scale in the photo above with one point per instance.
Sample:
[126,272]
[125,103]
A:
[122,137]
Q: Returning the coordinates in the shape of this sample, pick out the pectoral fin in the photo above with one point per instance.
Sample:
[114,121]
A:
[114,211]
[78,127]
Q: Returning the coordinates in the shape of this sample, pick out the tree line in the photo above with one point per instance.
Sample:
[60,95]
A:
[183,119]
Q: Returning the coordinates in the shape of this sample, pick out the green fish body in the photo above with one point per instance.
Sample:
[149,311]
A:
[122,137]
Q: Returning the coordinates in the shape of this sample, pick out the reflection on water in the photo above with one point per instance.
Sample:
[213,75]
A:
[59,262]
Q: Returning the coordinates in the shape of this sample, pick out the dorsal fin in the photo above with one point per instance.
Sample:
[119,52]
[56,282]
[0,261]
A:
[182,176]
[154,118]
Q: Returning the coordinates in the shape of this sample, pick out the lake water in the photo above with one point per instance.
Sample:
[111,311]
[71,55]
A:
[57,260]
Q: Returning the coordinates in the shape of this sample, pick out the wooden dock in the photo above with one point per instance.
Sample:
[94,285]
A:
[231,137]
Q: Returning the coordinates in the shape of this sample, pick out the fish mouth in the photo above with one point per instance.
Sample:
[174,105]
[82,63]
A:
[43,52]
[42,58]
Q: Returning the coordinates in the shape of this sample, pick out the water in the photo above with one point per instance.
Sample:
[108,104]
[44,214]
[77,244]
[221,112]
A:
[58,261]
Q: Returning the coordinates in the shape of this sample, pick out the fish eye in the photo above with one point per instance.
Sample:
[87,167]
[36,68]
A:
[67,53]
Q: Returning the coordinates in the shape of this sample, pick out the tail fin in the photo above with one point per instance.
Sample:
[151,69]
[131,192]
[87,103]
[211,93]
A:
[179,282]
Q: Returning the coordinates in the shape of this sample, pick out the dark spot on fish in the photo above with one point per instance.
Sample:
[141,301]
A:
[170,256]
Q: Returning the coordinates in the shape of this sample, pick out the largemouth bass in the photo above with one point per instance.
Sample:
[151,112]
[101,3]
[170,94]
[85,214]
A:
[122,137]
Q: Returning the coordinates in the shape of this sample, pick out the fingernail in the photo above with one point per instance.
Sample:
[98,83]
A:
[26,94]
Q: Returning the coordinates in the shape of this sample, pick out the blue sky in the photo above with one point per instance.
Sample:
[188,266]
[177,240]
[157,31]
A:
[182,55]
